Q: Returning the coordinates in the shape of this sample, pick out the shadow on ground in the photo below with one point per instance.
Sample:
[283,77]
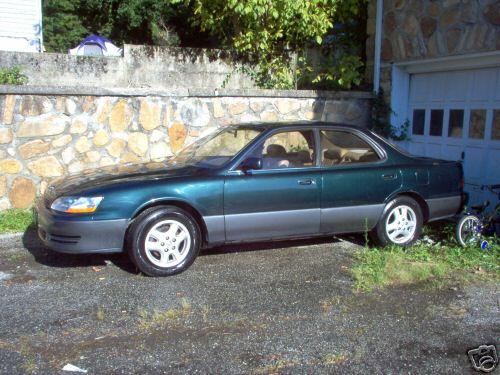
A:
[47,257]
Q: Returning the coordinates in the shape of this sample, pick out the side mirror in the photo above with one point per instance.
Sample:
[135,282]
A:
[251,164]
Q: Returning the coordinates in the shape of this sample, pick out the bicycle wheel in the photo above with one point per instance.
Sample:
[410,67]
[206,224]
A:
[468,230]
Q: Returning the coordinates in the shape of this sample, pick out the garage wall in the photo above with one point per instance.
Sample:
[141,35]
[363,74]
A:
[441,58]
[46,133]
[427,29]
[455,115]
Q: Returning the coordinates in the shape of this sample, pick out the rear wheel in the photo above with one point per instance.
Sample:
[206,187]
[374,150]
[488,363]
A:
[468,231]
[163,241]
[401,223]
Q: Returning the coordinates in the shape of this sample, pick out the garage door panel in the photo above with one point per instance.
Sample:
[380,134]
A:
[420,89]
[452,152]
[456,87]
[469,99]
[438,88]
[483,84]
[417,148]
[434,150]
[492,166]
[473,163]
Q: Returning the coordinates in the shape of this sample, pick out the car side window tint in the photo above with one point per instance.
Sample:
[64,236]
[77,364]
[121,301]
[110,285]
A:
[289,149]
[343,147]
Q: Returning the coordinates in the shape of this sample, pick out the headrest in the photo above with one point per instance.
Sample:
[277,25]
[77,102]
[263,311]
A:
[275,150]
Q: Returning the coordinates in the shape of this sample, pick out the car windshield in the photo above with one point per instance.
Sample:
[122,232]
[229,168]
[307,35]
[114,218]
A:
[217,149]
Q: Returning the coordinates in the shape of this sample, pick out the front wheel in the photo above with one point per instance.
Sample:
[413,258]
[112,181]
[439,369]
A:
[401,223]
[468,231]
[163,241]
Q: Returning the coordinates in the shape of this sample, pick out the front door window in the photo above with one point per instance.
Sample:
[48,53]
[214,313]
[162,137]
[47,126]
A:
[290,149]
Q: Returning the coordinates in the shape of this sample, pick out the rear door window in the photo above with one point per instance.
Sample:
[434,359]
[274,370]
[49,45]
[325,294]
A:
[342,148]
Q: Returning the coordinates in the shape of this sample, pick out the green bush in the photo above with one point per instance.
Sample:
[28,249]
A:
[12,76]
[270,35]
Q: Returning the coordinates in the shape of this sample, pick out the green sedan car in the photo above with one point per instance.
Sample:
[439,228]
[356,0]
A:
[258,182]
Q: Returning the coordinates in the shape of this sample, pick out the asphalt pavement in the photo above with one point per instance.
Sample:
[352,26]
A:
[286,307]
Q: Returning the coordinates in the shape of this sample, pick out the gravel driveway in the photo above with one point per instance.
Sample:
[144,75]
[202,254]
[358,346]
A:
[238,309]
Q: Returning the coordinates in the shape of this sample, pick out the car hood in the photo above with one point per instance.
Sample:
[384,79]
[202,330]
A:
[107,176]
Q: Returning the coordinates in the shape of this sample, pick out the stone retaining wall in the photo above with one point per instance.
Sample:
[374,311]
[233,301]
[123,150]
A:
[47,133]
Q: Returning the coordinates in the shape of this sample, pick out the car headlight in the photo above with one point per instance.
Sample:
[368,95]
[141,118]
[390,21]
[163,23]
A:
[76,205]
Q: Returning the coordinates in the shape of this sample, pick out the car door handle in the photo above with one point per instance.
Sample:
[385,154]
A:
[389,176]
[306,181]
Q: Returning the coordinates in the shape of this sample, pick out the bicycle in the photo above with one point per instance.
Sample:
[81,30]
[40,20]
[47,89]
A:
[474,225]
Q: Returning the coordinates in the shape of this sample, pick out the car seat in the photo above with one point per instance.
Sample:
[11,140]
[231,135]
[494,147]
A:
[275,157]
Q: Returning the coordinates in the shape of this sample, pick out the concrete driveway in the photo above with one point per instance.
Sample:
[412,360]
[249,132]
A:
[238,309]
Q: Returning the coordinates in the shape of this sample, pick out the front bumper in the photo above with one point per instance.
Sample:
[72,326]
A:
[79,236]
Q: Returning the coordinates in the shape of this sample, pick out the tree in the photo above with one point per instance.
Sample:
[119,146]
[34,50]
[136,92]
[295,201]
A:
[67,22]
[269,33]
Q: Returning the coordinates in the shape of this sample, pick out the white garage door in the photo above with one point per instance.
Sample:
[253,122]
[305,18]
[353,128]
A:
[456,115]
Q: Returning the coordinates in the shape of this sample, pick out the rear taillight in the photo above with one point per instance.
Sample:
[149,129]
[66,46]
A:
[461,183]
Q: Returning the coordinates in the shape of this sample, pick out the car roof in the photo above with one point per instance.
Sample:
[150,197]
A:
[283,124]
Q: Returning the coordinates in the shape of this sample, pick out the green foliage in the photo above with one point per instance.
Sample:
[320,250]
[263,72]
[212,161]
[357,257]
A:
[12,76]
[343,72]
[380,119]
[439,260]
[268,34]
[67,22]
[15,220]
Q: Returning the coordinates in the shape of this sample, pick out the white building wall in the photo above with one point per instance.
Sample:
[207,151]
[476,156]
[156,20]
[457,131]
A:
[20,25]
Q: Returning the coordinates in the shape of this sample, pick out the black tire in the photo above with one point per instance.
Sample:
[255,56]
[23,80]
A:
[140,229]
[467,235]
[380,232]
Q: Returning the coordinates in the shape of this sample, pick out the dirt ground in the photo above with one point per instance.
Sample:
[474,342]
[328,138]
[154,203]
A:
[287,307]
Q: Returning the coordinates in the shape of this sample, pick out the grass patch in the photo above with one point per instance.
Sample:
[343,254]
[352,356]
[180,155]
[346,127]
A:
[334,359]
[159,319]
[437,257]
[12,221]
[100,314]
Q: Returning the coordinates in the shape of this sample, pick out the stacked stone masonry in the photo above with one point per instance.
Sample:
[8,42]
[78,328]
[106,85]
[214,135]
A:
[423,29]
[43,137]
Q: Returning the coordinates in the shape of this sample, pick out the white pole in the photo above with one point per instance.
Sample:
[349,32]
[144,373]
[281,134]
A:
[378,45]
[40,15]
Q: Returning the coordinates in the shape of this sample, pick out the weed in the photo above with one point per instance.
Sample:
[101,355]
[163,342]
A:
[16,257]
[29,365]
[12,76]
[158,319]
[328,303]
[15,220]
[186,305]
[334,359]
[441,258]
[277,366]
[100,315]
[205,311]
